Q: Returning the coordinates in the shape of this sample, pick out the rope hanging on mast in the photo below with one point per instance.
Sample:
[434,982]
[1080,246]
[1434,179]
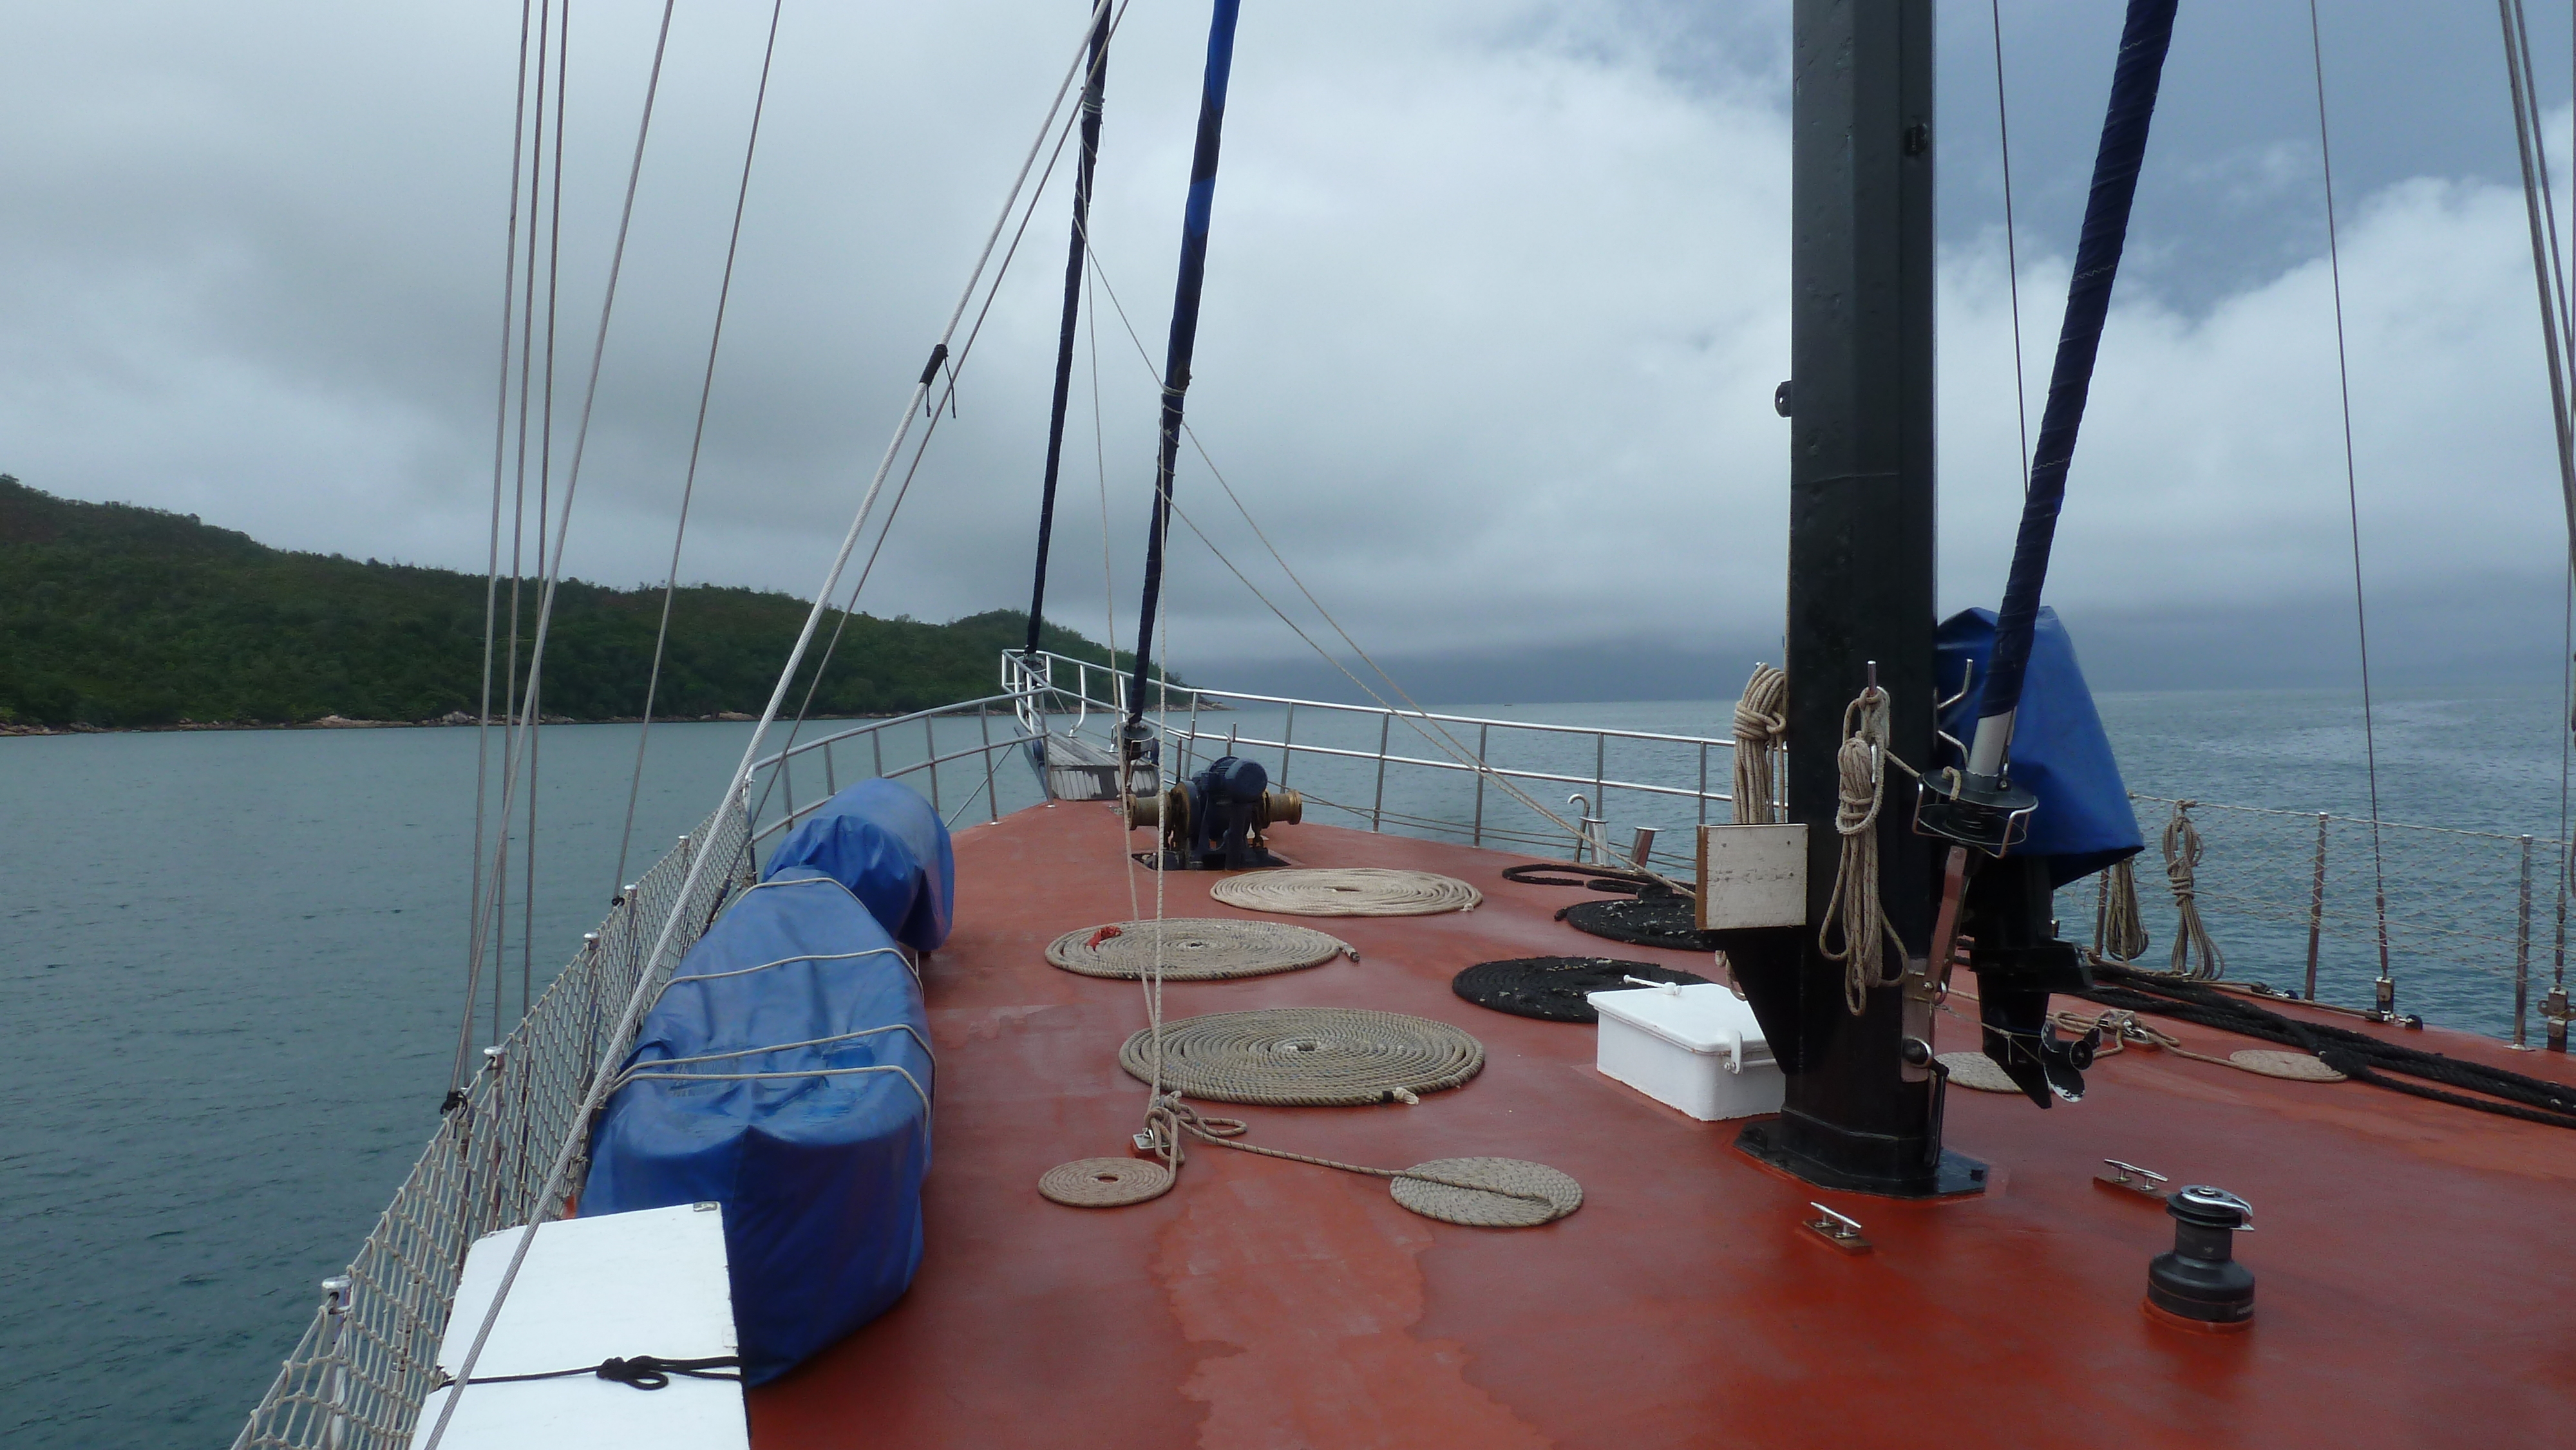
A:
[1085,162]
[1185,330]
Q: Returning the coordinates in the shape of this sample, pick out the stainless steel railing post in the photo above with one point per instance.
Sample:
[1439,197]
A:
[2522,951]
[1477,836]
[1287,743]
[1377,808]
[930,753]
[2317,907]
[992,802]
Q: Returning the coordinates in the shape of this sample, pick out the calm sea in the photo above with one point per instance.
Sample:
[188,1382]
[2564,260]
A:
[231,969]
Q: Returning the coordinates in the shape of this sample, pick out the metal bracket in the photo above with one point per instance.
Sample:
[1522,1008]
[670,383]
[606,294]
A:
[2130,1178]
[1839,1229]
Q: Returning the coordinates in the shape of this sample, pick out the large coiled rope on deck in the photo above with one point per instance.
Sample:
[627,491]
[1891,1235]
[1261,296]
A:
[2357,1055]
[1306,1057]
[1347,891]
[1194,949]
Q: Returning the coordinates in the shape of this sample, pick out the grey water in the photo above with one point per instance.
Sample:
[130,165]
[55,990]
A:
[232,963]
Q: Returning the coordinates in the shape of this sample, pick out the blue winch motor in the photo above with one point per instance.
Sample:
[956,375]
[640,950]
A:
[1226,814]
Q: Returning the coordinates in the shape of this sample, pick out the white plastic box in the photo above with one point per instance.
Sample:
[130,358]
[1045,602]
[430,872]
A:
[1695,1048]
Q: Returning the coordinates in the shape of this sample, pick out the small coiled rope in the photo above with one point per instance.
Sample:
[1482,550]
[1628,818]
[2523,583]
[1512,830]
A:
[1194,949]
[1347,891]
[1761,718]
[2191,938]
[1856,912]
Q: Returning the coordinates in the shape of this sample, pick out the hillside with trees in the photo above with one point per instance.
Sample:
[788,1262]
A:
[115,616]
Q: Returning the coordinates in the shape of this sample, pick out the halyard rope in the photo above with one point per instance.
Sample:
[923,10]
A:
[2119,932]
[2182,858]
[1761,720]
[1855,911]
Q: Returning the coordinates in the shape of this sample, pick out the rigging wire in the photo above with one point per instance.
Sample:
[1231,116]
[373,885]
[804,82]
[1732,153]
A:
[531,705]
[2558,333]
[523,728]
[2012,246]
[549,1196]
[945,405]
[492,566]
[1415,716]
[489,899]
[697,441]
[2352,497]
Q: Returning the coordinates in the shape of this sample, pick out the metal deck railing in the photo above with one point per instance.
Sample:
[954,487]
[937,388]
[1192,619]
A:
[1423,772]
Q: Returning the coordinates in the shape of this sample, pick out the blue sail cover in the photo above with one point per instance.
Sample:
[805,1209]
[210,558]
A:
[2059,752]
[819,1168]
[885,843]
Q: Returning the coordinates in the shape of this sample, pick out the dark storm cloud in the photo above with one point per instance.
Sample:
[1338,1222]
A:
[1495,304]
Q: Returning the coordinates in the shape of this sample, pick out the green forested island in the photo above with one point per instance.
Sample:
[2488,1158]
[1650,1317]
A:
[113,616]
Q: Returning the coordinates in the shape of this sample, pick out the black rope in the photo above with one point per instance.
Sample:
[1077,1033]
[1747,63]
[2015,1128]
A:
[1655,917]
[1558,989]
[1598,878]
[643,1372]
[2357,1055]
[1084,163]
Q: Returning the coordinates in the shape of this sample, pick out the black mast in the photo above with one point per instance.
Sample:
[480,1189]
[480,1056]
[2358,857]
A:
[1857,1115]
[1073,259]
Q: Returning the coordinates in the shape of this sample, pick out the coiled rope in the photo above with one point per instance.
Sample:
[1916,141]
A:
[1856,913]
[2191,938]
[2119,932]
[1194,949]
[1761,719]
[1307,1057]
[1347,891]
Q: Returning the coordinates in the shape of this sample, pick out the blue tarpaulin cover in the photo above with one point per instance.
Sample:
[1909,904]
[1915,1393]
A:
[819,1171]
[2059,752]
[885,843]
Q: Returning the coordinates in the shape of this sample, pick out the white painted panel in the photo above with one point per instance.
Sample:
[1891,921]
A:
[622,1284]
[1752,876]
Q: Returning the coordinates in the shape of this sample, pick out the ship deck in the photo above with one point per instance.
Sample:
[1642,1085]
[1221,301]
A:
[2409,1290]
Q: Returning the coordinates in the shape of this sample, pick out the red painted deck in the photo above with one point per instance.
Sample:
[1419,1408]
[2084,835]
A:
[2413,1290]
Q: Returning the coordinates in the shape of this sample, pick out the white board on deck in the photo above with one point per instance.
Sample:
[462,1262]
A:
[622,1284]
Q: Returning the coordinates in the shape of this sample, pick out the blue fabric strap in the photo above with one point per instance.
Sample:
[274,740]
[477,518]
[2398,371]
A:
[2088,300]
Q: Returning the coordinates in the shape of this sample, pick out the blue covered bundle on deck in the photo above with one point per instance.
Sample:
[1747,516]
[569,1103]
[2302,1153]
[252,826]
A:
[786,1072]
[2059,751]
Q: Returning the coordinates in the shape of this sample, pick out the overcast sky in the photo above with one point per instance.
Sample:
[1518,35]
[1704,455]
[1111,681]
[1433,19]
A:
[1495,304]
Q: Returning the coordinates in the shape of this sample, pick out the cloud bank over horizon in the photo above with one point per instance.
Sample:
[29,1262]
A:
[1496,300]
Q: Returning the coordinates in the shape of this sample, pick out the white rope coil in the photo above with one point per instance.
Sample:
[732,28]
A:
[1194,949]
[1856,913]
[2191,938]
[1761,720]
[1347,891]
[1310,1057]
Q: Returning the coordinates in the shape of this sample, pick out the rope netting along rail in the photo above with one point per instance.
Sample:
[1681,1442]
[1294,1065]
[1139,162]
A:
[357,1377]
[1347,891]
[1194,949]
[1308,1057]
